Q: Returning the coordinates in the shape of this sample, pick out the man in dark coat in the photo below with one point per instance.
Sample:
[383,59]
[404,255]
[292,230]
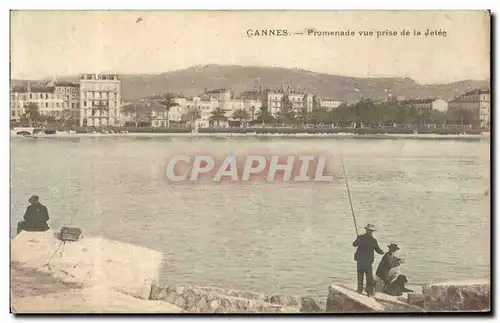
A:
[389,261]
[35,217]
[366,245]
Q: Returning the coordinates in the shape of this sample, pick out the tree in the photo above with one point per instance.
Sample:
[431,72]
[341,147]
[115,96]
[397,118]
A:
[286,113]
[217,115]
[31,112]
[264,116]
[167,102]
[304,116]
[137,110]
[191,116]
[319,115]
[241,115]
[51,119]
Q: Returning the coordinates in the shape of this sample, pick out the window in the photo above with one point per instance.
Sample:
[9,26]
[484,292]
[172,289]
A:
[84,103]
[46,105]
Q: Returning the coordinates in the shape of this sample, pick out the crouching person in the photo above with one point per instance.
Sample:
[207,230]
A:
[35,217]
[397,282]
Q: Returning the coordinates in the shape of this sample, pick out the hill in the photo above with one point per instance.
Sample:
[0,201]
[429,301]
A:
[193,80]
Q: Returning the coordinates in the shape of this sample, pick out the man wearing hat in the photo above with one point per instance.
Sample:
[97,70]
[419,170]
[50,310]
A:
[389,261]
[366,245]
[35,217]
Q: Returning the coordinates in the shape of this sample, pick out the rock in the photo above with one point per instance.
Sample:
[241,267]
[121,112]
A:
[344,300]
[218,300]
[415,299]
[124,267]
[308,305]
[457,296]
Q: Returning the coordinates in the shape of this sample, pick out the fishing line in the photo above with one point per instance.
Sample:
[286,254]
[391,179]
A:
[349,193]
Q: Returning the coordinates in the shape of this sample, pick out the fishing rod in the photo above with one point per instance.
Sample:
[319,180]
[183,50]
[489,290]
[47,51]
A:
[349,194]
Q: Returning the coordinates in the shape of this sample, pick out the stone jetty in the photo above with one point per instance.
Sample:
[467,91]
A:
[96,275]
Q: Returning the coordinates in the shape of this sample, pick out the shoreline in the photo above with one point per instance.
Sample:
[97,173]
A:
[225,135]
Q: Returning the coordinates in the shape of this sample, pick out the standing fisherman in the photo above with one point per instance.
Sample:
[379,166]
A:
[366,244]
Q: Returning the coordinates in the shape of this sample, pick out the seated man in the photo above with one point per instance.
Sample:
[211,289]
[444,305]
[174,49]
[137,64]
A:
[388,262]
[35,217]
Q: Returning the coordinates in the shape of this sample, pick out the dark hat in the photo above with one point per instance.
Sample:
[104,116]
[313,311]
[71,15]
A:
[33,198]
[370,227]
[393,246]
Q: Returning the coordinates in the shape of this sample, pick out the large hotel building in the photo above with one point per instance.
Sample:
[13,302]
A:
[94,101]
[100,100]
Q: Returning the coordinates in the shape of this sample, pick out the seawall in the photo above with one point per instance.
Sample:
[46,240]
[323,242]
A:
[96,275]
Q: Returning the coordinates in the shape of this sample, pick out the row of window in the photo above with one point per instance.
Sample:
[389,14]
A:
[56,114]
[50,105]
[100,95]
[480,97]
[99,87]
[66,90]
[97,103]
[47,96]
[100,113]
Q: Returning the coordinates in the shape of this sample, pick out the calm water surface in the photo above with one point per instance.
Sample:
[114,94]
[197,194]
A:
[428,196]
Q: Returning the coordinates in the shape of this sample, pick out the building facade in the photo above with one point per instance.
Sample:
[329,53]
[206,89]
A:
[427,105]
[58,100]
[330,104]
[273,99]
[477,102]
[100,100]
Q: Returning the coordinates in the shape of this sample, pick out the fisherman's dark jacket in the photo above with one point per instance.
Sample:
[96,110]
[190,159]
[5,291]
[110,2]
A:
[367,245]
[36,217]
[388,262]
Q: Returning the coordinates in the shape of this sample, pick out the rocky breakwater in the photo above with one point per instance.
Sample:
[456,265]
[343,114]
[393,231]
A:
[198,299]
[342,299]
[457,296]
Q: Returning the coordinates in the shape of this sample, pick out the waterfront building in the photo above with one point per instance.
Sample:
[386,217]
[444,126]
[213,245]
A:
[100,100]
[330,104]
[58,100]
[476,101]
[175,114]
[427,105]
[272,98]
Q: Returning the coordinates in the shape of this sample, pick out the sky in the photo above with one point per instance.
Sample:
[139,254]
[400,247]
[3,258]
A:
[46,44]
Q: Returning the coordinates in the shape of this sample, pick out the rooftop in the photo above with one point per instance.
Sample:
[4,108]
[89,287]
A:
[420,100]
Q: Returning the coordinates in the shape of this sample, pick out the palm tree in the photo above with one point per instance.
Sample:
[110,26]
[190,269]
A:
[167,102]
[217,115]
[101,107]
[31,112]
[241,115]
